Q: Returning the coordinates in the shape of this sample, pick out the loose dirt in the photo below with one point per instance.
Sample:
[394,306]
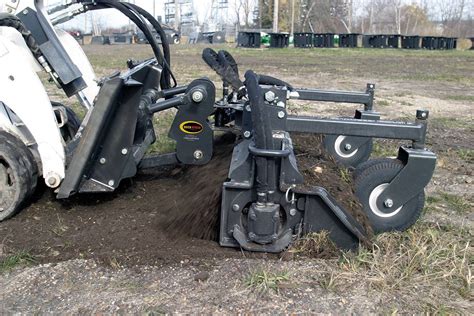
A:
[162,216]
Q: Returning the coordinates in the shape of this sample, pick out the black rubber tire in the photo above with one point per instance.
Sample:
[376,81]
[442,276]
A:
[18,175]
[69,130]
[379,173]
[366,165]
[362,155]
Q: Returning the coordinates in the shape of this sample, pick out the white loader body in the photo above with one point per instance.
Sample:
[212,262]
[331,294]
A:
[23,93]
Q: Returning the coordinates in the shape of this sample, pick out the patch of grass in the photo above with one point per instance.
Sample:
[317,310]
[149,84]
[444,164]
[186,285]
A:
[14,260]
[430,203]
[406,103]
[345,175]
[460,97]
[381,149]
[162,124]
[265,281]
[383,103]
[451,122]
[439,309]
[456,203]
[466,155]
[424,257]
[316,245]
[329,281]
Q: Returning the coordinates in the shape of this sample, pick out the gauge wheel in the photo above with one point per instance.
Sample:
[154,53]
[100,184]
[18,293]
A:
[176,39]
[370,184]
[332,145]
[367,164]
[18,175]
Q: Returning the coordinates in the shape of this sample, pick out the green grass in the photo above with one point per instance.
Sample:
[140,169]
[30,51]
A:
[382,149]
[265,281]
[14,260]
[451,122]
[431,203]
[466,155]
[457,203]
[460,97]
[162,123]
[382,103]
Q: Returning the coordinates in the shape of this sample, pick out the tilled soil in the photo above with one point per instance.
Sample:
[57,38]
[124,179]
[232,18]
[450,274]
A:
[161,216]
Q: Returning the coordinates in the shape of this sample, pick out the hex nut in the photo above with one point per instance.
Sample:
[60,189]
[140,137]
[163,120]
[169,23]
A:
[270,96]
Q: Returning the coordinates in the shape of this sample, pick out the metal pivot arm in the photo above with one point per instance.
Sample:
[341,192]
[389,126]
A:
[355,127]
[366,98]
[191,129]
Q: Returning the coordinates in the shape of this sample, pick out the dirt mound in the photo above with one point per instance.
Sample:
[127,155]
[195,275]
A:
[194,211]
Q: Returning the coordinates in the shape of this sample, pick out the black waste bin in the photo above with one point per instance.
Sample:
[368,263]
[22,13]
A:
[429,42]
[375,41]
[303,40]
[279,40]
[451,43]
[393,41]
[411,42]
[442,43]
[323,40]
[351,40]
[249,39]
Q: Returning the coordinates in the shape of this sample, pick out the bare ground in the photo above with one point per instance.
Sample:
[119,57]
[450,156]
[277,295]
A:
[109,253]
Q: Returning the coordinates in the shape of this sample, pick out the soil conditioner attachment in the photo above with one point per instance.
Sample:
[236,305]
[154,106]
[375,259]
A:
[265,202]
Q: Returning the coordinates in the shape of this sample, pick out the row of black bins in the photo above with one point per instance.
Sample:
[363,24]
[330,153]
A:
[307,40]
[253,40]
[352,40]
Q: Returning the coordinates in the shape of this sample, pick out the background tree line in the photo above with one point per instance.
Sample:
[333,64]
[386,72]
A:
[420,17]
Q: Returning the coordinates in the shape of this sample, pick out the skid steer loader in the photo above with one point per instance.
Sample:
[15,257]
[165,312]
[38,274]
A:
[264,206]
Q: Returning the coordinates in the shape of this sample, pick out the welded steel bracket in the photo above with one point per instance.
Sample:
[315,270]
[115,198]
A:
[411,180]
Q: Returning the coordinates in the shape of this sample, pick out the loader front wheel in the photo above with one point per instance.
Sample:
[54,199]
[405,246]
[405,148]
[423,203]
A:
[371,183]
[346,155]
[16,182]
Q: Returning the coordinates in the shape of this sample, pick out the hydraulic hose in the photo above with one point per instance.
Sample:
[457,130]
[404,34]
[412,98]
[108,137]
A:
[164,41]
[136,18]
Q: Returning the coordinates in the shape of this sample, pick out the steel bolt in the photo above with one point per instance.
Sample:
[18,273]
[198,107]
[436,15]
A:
[51,181]
[270,96]
[235,207]
[348,147]
[281,114]
[198,96]
[111,183]
[198,155]
[247,134]
[124,151]
[252,235]
[388,203]
[293,212]
[102,161]
[281,104]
